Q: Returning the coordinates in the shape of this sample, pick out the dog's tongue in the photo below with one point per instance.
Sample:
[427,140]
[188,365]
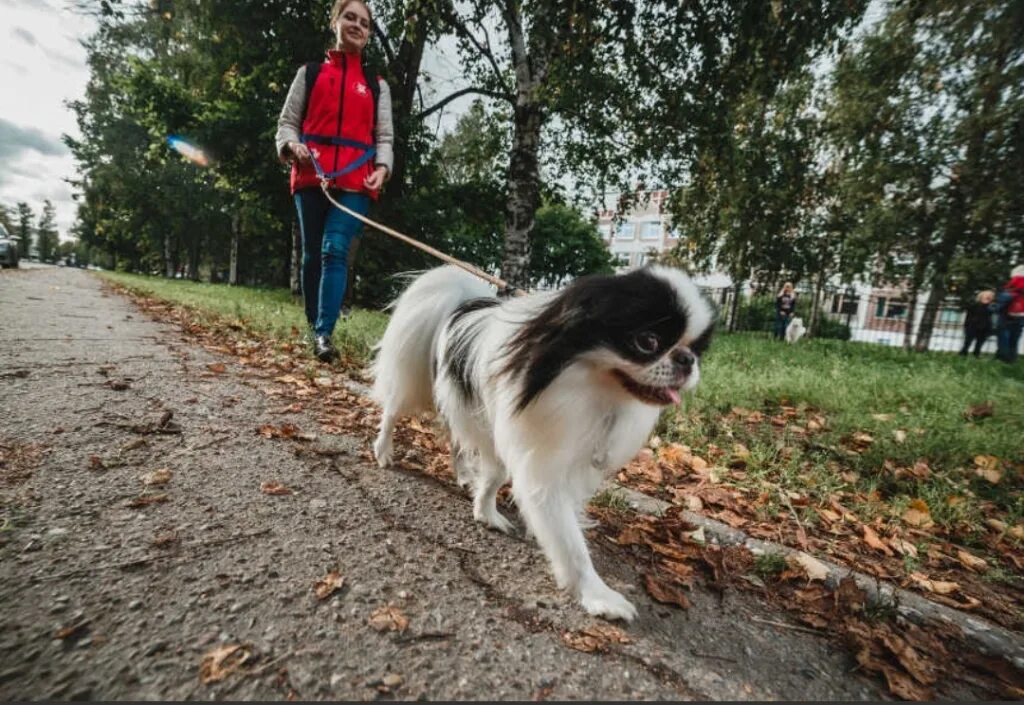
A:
[673,394]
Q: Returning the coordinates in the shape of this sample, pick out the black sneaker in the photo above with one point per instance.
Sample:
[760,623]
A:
[324,349]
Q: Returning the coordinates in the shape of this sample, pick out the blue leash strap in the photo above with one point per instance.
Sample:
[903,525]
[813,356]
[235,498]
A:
[369,151]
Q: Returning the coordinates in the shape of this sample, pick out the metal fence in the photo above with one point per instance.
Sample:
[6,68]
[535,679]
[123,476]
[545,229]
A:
[879,317]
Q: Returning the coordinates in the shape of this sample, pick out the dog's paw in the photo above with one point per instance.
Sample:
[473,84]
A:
[495,520]
[383,451]
[605,602]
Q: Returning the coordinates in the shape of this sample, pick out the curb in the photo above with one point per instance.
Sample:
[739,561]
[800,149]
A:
[990,638]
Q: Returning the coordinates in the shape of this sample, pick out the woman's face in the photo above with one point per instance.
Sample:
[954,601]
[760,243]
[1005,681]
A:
[987,297]
[353,27]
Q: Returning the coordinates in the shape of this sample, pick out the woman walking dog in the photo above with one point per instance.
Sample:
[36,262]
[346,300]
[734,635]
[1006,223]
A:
[335,123]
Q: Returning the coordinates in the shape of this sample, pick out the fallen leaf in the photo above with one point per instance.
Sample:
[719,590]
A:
[217,368]
[388,618]
[222,662]
[979,411]
[971,562]
[595,638]
[872,540]
[158,477]
[146,500]
[918,514]
[812,567]
[96,463]
[274,488]
[904,548]
[900,435]
[990,474]
[665,593]
[939,587]
[328,585]
[882,417]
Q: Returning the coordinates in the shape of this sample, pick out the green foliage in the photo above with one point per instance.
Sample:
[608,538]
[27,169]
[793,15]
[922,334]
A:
[832,329]
[756,314]
[46,233]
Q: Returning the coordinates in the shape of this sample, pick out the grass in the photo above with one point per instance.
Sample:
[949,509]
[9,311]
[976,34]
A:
[911,405]
[884,392]
[274,313]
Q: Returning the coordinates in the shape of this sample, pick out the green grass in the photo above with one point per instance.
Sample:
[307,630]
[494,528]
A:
[869,389]
[273,313]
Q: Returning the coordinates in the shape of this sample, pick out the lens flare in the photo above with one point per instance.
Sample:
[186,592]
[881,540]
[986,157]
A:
[188,150]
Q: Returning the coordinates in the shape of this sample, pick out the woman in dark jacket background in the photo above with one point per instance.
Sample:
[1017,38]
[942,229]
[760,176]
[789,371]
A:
[978,324]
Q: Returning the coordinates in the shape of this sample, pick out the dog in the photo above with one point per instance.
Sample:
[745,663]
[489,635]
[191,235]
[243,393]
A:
[553,391]
[795,330]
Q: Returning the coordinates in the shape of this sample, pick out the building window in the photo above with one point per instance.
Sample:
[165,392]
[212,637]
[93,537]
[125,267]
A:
[626,231]
[890,308]
[949,315]
[843,304]
[651,231]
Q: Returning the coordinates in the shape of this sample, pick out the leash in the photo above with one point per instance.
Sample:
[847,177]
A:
[504,288]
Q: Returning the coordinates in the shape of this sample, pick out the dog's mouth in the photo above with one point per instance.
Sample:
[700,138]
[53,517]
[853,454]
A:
[659,396]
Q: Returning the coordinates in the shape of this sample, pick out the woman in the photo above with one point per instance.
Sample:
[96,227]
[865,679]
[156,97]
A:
[978,323]
[336,123]
[785,307]
[1010,305]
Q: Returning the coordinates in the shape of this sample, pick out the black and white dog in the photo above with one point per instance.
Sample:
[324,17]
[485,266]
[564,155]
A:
[553,391]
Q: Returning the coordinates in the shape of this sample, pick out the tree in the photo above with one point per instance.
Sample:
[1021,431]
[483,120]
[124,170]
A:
[7,218]
[565,246]
[23,228]
[926,116]
[46,232]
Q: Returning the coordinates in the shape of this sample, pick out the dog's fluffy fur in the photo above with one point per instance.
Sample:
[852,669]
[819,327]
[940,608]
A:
[553,391]
[795,330]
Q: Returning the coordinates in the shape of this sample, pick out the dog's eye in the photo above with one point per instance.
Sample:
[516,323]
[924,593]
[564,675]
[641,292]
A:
[647,342]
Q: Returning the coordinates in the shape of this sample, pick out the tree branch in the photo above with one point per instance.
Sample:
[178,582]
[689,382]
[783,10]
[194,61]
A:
[458,94]
[460,28]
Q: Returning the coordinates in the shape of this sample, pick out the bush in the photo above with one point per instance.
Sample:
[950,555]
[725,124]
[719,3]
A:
[756,314]
[836,330]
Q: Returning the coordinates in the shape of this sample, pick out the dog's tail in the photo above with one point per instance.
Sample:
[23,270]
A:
[404,359]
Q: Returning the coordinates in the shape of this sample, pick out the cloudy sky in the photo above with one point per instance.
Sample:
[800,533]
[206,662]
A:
[42,65]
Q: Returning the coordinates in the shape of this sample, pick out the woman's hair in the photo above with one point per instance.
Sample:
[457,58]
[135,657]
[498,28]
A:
[340,5]
[985,294]
[787,285]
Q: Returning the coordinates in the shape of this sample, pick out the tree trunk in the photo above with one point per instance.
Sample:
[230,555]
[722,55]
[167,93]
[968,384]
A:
[734,306]
[295,278]
[404,73]
[819,285]
[524,170]
[168,256]
[928,317]
[236,227]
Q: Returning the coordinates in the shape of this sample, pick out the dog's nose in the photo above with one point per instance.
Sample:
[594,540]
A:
[683,360]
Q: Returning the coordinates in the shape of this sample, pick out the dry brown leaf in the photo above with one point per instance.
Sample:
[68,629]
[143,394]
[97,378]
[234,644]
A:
[222,662]
[388,618]
[990,474]
[971,562]
[979,411]
[595,638]
[899,435]
[274,488]
[665,593]
[158,477]
[146,500]
[904,548]
[328,585]
[917,514]
[939,587]
[217,368]
[872,540]
[809,565]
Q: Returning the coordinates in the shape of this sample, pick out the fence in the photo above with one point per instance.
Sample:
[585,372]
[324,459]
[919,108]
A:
[878,317]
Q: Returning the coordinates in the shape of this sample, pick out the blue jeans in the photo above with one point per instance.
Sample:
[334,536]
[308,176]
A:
[1008,337]
[327,235]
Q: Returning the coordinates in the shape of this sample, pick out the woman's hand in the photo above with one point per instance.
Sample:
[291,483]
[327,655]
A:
[299,151]
[374,181]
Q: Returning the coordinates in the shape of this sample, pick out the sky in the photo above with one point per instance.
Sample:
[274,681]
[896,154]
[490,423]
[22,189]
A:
[42,66]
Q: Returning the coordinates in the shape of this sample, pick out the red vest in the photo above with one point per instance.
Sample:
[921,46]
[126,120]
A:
[340,105]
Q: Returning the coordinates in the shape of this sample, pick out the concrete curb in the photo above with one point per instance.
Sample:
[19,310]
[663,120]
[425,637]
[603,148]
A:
[988,637]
